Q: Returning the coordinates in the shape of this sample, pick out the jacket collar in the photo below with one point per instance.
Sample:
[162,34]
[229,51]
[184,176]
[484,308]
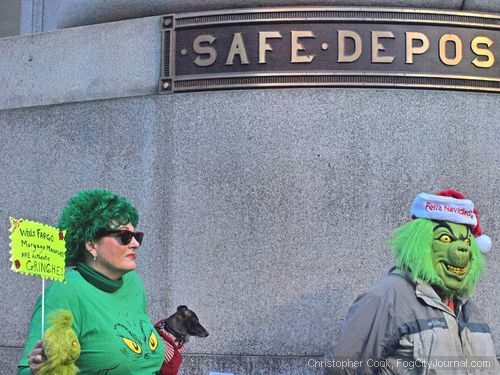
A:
[426,293]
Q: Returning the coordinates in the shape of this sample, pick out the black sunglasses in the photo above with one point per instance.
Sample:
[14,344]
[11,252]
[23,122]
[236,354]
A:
[123,236]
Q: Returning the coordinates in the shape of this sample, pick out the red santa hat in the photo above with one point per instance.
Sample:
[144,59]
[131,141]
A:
[451,205]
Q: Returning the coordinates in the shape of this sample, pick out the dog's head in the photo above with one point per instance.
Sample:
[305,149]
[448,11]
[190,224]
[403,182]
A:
[183,324]
[190,322]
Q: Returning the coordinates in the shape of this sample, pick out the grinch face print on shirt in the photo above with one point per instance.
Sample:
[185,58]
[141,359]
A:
[136,344]
[139,340]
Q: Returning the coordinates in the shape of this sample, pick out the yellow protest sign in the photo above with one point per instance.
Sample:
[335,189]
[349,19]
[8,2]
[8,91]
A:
[37,249]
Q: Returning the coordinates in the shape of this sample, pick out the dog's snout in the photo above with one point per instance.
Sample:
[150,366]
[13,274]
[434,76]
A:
[198,330]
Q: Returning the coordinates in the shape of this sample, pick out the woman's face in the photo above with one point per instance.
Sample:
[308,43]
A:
[112,258]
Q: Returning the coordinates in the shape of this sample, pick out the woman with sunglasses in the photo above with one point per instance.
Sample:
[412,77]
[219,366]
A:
[103,291]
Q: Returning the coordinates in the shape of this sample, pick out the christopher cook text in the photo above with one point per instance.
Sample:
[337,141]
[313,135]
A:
[434,363]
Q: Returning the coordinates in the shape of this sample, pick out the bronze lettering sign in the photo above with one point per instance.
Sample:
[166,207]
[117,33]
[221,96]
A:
[330,47]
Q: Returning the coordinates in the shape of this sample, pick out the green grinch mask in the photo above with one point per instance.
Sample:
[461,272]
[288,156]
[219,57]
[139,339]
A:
[451,253]
[442,254]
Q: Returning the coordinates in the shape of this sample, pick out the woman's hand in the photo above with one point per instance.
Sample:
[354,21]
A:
[36,358]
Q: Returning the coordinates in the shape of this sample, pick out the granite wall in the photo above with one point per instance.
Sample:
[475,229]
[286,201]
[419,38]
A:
[266,211]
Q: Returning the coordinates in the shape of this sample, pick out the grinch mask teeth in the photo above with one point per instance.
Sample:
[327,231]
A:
[457,270]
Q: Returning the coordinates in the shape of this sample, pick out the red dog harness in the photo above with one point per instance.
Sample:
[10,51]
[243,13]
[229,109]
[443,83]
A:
[173,357]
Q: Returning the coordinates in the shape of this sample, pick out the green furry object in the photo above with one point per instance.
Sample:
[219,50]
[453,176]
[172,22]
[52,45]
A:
[61,346]
[88,212]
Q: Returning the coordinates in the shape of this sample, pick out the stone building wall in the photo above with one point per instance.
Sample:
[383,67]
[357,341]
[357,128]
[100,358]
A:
[266,211]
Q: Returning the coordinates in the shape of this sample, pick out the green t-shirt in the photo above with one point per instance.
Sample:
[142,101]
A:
[115,333]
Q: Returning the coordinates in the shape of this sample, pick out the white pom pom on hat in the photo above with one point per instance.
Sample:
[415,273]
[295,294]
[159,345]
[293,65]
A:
[484,243]
[451,205]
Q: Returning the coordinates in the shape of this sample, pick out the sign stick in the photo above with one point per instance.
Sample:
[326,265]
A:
[43,304]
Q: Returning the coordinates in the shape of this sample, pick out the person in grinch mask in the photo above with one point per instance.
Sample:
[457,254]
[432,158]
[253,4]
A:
[103,292]
[418,319]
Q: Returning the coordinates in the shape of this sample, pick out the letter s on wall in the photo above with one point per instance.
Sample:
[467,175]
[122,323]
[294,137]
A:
[482,52]
[204,50]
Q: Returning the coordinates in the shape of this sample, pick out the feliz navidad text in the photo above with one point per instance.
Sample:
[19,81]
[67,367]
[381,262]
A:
[445,208]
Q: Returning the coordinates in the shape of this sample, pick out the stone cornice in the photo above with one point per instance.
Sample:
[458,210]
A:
[72,13]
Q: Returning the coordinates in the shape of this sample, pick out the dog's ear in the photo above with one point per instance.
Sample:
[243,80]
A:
[182,309]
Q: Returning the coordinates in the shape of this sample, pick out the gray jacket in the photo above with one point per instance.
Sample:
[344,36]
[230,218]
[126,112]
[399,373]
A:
[398,327]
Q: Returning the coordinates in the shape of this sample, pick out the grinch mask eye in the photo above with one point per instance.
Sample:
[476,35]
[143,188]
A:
[445,238]
[135,347]
[153,341]
[467,241]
